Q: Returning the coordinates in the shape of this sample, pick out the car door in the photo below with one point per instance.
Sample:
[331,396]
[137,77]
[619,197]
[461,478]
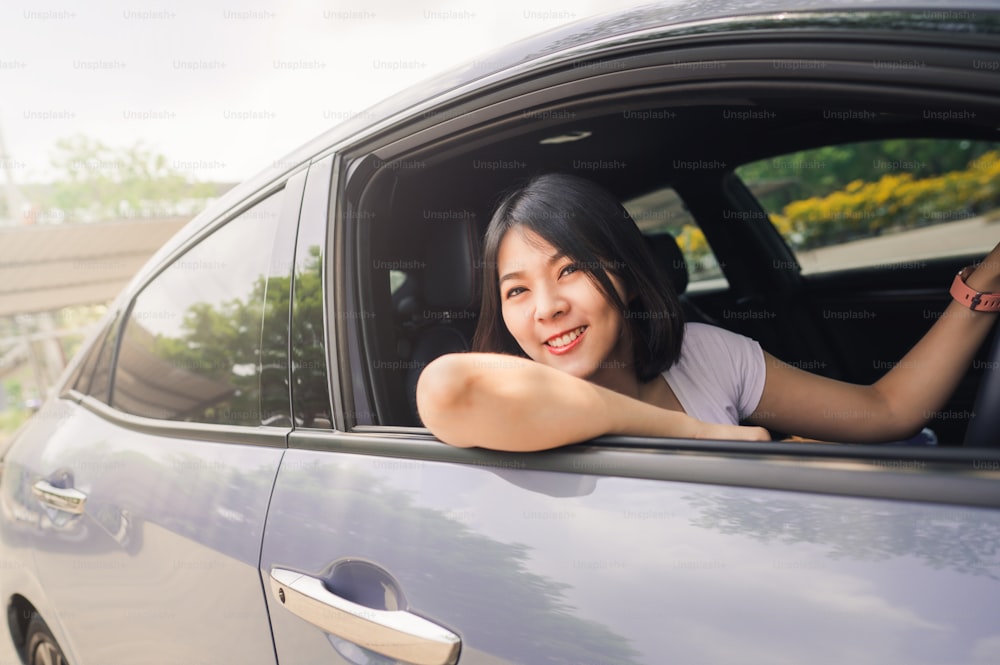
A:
[385,545]
[619,555]
[172,463]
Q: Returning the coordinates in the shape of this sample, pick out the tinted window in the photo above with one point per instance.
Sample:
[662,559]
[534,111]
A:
[881,202]
[191,346]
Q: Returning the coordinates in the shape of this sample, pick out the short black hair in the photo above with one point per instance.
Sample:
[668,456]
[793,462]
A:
[587,224]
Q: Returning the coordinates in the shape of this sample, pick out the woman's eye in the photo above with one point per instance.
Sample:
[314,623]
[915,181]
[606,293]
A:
[568,270]
[514,291]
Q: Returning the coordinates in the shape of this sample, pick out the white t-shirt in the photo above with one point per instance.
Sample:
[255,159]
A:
[719,376]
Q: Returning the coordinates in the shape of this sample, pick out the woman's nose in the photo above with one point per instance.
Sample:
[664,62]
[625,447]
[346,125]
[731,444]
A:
[549,303]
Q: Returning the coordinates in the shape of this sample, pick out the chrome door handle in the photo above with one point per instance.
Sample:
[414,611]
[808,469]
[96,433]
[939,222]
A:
[393,633]
[67,500]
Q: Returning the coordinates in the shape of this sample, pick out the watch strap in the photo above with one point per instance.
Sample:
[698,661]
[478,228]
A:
[975,300]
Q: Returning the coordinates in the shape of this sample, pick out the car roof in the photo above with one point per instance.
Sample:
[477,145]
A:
[603,33]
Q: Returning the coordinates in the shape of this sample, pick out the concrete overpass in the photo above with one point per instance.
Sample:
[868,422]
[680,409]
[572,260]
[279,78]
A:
[46,268]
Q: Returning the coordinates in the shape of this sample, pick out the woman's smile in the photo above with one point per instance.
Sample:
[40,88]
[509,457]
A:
[565,342]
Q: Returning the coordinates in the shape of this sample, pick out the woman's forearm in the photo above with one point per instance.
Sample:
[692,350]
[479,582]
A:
[510,403]
[901,402]
[920,384]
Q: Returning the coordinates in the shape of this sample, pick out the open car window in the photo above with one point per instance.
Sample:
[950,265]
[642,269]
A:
[426,204]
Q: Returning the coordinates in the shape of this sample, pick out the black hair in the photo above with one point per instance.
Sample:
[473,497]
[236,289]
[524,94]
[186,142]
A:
[587,224]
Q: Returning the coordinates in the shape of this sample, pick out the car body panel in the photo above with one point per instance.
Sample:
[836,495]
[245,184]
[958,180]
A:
[537,566]
[168,539]
[168,542]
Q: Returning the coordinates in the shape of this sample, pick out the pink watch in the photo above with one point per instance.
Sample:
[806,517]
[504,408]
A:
[968,296]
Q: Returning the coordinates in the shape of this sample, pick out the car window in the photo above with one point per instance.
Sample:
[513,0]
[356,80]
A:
[191,346]
[879,203]
[663,211]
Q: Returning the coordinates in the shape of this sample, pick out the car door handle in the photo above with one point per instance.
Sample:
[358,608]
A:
[67,500]
[393,633]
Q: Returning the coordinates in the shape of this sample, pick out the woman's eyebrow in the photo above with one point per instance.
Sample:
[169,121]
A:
[510,275]
[518,273]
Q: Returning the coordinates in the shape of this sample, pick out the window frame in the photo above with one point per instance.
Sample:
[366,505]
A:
[355,291]
[315,224]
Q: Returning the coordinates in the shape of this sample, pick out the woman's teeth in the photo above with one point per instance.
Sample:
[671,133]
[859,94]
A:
[567,338]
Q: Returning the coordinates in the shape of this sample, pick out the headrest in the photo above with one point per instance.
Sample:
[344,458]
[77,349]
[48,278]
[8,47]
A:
[451,276]
[667,254]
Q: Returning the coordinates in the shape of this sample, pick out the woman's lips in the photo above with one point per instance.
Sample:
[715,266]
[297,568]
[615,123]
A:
[560,350]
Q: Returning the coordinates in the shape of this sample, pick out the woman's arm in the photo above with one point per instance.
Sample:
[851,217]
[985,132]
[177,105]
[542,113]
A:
[509,403]
[897,405]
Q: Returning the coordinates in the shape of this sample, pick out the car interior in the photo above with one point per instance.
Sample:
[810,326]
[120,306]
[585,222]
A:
[417,256]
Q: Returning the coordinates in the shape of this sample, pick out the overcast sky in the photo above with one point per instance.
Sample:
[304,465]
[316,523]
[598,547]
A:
[223,88]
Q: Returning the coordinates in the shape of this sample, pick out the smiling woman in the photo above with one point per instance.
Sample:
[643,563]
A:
[569,284]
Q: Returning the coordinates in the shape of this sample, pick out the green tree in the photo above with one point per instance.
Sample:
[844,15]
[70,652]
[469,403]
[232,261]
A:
[96,181]
[820,171]
[222,343]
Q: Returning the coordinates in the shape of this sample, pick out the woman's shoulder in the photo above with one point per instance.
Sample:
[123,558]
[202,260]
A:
[726,368]
[708,345]
[719,375]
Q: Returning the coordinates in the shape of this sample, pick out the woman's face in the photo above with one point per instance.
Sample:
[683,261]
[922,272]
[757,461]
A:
[555,311]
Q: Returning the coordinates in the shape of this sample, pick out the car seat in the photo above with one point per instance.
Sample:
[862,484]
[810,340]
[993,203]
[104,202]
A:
[667,254]
[439,308]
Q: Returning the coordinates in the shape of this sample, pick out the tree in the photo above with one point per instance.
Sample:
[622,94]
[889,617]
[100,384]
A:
[96,181]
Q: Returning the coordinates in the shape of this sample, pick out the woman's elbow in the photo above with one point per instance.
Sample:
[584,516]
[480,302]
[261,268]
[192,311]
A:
[442,390]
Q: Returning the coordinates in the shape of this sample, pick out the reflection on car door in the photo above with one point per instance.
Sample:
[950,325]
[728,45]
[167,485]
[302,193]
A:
[167,544]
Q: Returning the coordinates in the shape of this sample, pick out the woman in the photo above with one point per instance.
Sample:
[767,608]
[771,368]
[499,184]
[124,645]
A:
[580,335]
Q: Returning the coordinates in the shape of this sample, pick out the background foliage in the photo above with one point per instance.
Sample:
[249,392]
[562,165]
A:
[835,194]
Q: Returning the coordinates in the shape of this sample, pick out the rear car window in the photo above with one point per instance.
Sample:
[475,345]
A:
[191,346]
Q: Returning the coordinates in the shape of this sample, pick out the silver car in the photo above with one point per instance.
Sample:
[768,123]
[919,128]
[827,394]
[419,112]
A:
[233,470]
